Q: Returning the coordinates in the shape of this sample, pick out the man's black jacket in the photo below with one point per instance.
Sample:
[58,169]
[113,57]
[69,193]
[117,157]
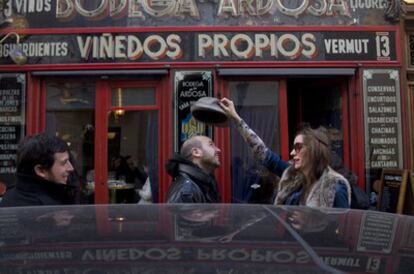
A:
[33,190]
[191,184]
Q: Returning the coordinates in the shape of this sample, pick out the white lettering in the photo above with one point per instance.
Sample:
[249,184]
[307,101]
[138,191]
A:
[346,46]
[129,46]
[246,47]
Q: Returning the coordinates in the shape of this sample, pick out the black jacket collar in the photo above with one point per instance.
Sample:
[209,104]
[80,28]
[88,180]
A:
[35,184]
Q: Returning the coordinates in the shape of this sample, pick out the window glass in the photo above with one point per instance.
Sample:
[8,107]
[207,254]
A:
[70,116]
[257,103]
[322,108]
[123,97]
[132,154]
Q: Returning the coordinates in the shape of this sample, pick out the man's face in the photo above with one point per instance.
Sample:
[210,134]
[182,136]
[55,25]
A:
[211,153]
[61,168]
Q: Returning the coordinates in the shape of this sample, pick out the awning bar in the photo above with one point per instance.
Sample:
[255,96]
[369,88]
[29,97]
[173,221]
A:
[284,71]
[101,72]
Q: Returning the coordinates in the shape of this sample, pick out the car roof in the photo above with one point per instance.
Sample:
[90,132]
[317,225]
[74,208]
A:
[203,238]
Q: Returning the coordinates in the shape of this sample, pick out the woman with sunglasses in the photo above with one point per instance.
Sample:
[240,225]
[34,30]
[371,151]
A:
[307,179]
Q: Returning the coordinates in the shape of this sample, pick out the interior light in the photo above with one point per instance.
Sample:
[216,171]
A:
[119,99]
[119,112]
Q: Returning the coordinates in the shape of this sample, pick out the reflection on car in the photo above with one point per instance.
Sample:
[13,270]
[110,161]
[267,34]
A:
[203,238]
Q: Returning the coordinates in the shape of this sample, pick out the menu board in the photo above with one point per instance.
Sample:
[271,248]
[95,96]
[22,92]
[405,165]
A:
[382,116]
[392,190]
[12,121]
[189,86]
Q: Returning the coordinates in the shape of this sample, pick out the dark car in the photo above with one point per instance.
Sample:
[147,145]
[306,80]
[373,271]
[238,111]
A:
[215,238]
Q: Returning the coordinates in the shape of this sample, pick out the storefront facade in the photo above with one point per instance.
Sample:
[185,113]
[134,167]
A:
[408,27]
[117,78]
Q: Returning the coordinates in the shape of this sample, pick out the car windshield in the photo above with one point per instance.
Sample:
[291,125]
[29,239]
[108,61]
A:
[200,238]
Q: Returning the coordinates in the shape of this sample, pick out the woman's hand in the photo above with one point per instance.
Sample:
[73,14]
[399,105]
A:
[228,106]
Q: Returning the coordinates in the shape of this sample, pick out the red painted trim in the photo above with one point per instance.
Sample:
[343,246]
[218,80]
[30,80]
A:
[102,99]
[36,106]
[201,28]
[161,183]
[359,135]
[42,108]
[32,104]
[398,45]
[103,223]
[222,140]
[211,64]
[165,127]
[283,120]
[345,119]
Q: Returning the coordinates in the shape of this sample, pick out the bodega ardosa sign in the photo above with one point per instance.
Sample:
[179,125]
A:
[110,13]
[355,46]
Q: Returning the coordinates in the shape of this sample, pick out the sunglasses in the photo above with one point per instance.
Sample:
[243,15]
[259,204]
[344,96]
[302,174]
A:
[297,147]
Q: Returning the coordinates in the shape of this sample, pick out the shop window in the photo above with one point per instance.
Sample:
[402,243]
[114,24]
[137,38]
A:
[132,135]
[132,154]
[257,103]
[317,103]
[132,143]
[124,97]
[70,116]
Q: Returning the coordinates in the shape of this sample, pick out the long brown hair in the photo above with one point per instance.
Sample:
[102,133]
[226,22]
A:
[318,150]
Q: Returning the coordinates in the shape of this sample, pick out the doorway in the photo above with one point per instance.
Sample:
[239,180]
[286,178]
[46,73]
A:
[320,103]
[275,109]
[113,129]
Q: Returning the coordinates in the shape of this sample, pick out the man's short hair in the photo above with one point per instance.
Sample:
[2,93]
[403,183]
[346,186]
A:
[188,145]
[38,149]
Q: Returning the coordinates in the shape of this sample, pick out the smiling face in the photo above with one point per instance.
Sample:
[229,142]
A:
[61,169]
[299,153]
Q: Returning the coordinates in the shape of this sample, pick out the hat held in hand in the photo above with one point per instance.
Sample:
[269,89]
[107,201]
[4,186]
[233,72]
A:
[208,111]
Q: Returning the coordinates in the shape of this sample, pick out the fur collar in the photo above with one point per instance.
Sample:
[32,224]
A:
[322,193]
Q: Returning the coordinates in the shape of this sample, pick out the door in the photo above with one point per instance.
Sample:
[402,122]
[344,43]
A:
[261,104]
[320,103]
[113,130]
[275,109]
[132,140]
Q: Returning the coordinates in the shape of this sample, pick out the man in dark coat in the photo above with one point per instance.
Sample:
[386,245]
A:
[44,174]
[193,172]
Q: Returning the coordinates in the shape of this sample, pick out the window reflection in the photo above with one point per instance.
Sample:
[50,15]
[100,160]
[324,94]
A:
[123,97]
[257,104]
[132,154]
[70,115]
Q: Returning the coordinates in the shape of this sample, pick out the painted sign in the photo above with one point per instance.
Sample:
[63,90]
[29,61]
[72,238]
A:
[12,121]
[133,13]
[382,116]
[189,86]
[303,46]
